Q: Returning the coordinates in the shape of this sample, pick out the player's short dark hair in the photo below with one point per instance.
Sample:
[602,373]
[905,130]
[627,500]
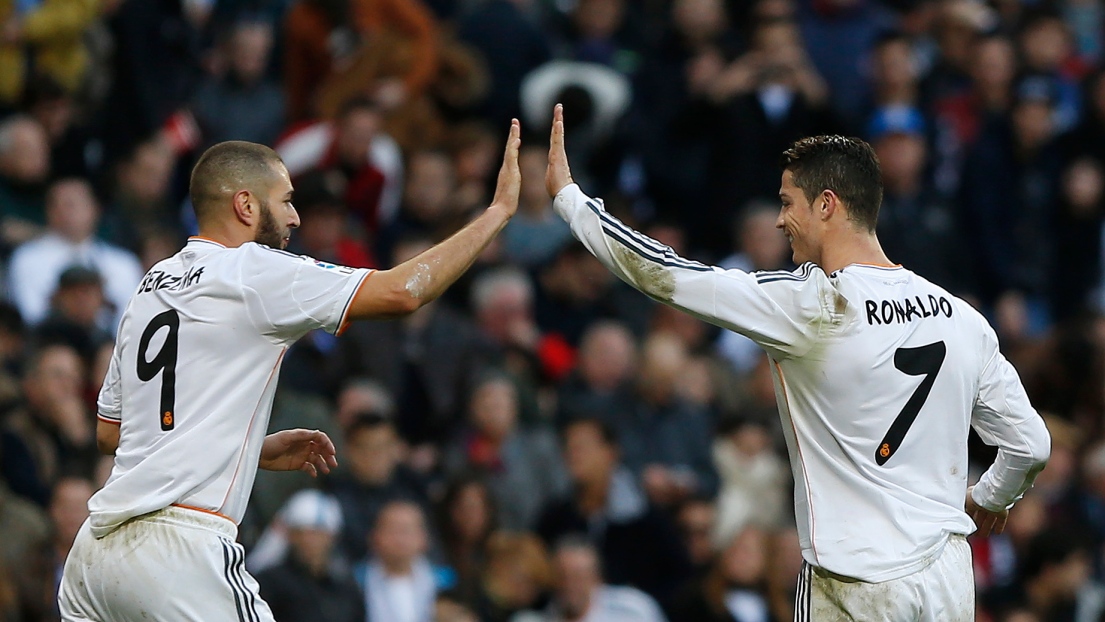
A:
[847,166]
[229,167]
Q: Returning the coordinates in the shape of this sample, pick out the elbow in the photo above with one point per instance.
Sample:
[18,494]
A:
[107,438]
[401,301]
[106,449]
[1040,450]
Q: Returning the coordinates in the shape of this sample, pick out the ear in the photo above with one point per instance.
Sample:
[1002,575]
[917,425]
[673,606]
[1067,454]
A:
[244,209]
[830,203]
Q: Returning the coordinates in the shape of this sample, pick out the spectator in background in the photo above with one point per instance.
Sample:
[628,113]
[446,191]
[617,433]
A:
[697,521]
[1010,182]
[24,170]
[755,481]
[52,433]
[309,583]
[665,440]
[602,32]
[374,477]
[637,543]
[1047,49]
[465,520]
[141,202]
[502,303]
[73,152]
[733,590]
[76,313]
[45,36]
[958,25]
[429,208]
[894,75]
[324,230]
[572,293]
[1078,259]
[336,51]
[581,594]
[522,467]
[13,341]
[68,510]
[536,234]
[1057,583]
[242,103]
[72,213]
[399,583]
[916,227]
[512,44]
[601,384]
[517,577]
[24,551]
[354,147]
[427,361]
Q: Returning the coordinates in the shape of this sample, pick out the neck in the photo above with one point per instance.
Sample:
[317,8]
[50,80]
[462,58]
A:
[230,237]
[592,497]
[858,247]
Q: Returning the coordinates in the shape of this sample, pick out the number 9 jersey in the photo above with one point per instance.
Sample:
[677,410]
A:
[194,371]
[879,374]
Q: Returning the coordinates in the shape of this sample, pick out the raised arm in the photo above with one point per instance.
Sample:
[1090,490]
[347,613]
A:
[412,284]
[783,312]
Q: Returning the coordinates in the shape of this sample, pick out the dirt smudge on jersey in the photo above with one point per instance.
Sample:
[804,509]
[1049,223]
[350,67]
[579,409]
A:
[649,277]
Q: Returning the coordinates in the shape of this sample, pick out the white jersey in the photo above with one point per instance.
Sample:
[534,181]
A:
[194,371]
[878,376]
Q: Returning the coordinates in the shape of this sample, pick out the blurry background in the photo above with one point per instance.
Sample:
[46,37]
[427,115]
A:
[544,443]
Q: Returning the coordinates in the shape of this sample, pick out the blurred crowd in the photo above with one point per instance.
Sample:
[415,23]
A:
[543,443]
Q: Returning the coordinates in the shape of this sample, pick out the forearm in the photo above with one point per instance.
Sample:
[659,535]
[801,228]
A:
[1022,454]
[414,283]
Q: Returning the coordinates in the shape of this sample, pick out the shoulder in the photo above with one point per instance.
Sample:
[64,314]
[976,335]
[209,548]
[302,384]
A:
[805,273]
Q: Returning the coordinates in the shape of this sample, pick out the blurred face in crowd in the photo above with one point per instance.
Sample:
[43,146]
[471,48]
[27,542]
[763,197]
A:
[799,222]
[69,509]
[312,547]
[507,310]
[765,247]
[400,536]
[1045,44]
[744,561]
[518,569]
[145,177]
[495,409]
[71,209]
[470,513]
[590,460]
[995,63]
[57,374]
[249,51]
[534,199]
[358,398]
[662,360]
[55,115]
[1083,187]
[1032,124]
[599,19]
[24,151]
[696,523]
[323,230]
[356,130]
[699,21]
[578,577]
[606,357]
[892,64]
[902,157]
[80,303]
[372,453]
[430,184]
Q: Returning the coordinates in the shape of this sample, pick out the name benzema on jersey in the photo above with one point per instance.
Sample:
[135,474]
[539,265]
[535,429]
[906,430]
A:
[159,279]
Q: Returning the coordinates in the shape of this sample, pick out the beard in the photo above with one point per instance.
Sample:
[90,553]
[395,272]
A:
[269,231]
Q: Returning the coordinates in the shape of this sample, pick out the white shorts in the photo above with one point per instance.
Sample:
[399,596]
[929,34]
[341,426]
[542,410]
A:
[943,591]
[173,564]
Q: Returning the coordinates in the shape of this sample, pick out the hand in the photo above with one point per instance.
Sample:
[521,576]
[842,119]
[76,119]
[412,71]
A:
[510,177]
[557,176]
[309,451]
[984,519]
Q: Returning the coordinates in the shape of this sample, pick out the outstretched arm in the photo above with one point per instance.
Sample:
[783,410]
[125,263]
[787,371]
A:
[780,311]
[410,285]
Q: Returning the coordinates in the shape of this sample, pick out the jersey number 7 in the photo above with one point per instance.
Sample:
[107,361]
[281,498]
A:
[922,361]
[164,361]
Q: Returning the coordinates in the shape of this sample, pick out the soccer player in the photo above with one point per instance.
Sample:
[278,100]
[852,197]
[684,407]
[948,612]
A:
[878,376]
[186,402]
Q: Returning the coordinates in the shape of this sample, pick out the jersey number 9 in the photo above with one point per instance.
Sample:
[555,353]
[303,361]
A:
[164,361]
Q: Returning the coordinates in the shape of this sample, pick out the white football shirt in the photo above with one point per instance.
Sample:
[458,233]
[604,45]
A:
[878,376]
[194,371]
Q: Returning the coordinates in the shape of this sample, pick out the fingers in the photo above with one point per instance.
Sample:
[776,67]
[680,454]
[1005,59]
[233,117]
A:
[309,469]
[326,448]
[999,527]
[556,140]
[513,141]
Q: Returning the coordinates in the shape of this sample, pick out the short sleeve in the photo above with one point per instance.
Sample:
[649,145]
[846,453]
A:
[289,295]
[109,404]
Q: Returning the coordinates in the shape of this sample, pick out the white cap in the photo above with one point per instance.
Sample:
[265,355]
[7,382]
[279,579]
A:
[312,509]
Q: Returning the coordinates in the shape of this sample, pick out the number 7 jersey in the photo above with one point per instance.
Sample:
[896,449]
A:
[879,374]
[194,371]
